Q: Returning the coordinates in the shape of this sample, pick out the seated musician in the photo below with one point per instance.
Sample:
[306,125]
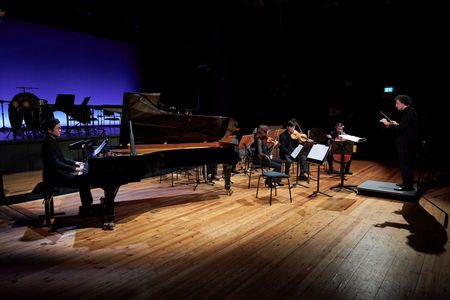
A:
[261,145]
[334,135]
[288,142]
[59,171]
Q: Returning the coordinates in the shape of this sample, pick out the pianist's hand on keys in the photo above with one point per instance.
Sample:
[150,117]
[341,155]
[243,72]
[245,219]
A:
[81,168]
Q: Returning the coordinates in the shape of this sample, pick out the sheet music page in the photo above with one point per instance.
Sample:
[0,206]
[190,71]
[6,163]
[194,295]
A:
[99,148]
[318,152]
[297,150]
[352,138]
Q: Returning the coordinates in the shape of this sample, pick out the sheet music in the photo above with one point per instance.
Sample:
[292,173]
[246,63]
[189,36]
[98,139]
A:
[99,148]
[297,150]
[353,138]
[318,152]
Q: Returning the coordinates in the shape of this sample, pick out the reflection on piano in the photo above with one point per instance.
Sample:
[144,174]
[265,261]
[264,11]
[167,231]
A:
[164,141]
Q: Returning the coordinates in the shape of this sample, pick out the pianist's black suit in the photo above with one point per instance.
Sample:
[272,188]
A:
[58,170]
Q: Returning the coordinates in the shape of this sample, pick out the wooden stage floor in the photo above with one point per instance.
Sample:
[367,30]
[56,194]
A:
[176,243]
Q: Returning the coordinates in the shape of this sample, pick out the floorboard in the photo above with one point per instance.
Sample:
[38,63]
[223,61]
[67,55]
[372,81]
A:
[172,242]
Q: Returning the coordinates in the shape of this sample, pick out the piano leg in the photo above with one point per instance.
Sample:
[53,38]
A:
[108,206]
[227,176]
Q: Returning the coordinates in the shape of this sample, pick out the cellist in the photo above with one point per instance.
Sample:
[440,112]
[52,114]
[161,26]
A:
[334,135]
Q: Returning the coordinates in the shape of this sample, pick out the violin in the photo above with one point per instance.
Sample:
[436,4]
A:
[298,135]
[272,141]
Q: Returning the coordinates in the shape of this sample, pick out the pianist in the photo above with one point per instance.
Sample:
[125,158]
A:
[59,171]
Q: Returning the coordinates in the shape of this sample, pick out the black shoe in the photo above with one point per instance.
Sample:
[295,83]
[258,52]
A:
[280,183]
[399,184]
[330,172]
[303,177]
[348,173]
[404,189]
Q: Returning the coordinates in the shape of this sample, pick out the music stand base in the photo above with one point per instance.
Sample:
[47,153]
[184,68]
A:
[351,188]
[315,193]
[339,176]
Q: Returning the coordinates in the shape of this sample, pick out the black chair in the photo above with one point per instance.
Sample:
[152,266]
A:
[47,191]
[252,165]
[271,177]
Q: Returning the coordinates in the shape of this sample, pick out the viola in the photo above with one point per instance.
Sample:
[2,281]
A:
[298,135]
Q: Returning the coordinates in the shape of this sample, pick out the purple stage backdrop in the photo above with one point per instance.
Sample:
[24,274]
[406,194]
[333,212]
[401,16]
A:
[52,61]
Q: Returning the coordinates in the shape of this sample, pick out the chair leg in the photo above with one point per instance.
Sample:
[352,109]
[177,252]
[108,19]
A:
[257,187]
[289,186]
[270,200]
[250,178]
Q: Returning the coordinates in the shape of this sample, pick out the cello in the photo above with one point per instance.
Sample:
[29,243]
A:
[342,150]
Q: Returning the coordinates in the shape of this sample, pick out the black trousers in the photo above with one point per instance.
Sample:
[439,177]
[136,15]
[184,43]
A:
[406,163]
[288,160]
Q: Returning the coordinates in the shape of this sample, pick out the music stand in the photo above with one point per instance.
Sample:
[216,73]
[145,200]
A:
[244,144]
[317,155]
[299,150]
[343,148]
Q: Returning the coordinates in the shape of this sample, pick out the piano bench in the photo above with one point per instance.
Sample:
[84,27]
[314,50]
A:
[47,191]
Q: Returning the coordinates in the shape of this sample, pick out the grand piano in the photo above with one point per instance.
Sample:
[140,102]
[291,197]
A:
[157,142]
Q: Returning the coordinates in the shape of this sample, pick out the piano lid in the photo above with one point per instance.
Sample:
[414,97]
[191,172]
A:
[152,124]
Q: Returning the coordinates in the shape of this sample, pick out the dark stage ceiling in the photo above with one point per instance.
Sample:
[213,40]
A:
[139,21]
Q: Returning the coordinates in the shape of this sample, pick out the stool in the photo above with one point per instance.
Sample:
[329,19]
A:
[47,191]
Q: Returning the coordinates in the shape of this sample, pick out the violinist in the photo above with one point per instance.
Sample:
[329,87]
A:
[289,140]
[263,145]
[334,135]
